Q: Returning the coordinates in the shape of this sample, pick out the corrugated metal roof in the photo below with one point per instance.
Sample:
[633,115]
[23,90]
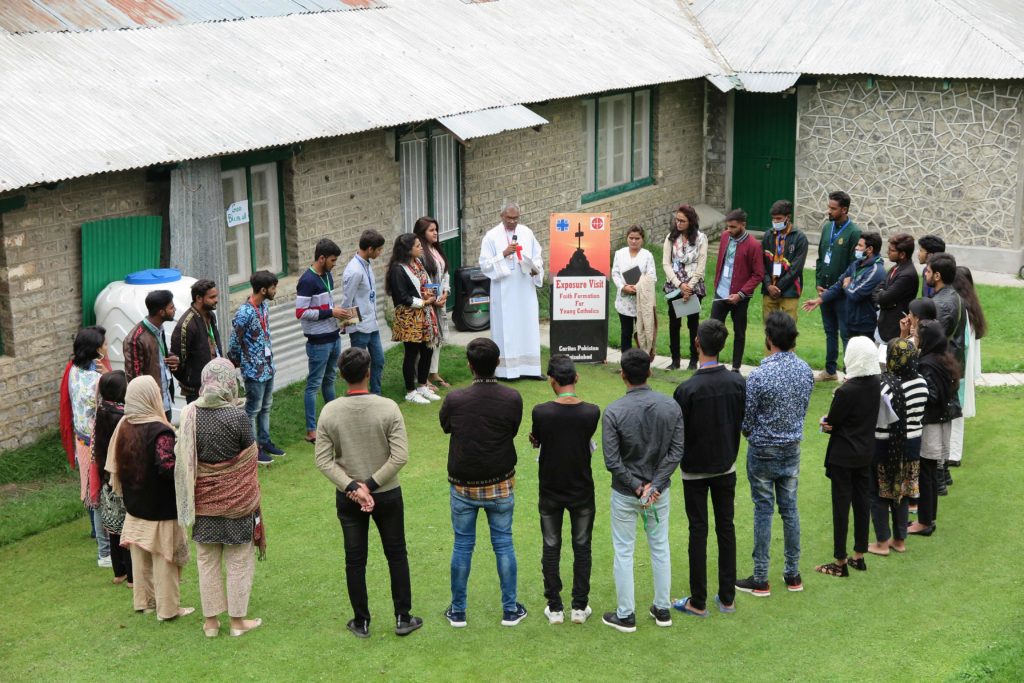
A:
[762,82]
[30,16]
[84,103]
[917,38]
[478,124]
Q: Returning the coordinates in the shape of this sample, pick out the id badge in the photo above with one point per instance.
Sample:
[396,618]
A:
[267,352]
[828,257]
[776,269]
[726,271]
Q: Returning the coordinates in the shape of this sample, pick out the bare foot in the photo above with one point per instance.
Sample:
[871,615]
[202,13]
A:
[898,546]
[879,548]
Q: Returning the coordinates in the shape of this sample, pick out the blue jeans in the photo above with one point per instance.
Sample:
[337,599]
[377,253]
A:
[102,539]
[259,398]
[773,472]
[499,518]
[323,369]
[371,342]
[625,511]
[833,319]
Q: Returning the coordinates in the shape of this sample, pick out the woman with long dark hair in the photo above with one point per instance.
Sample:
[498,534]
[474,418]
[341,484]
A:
[975,329]
[415,322]
[436,265]
[684,257]
[83,377]
[141,465]
[112,387]
[941,372]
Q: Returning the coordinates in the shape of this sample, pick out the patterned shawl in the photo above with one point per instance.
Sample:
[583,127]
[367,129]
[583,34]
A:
[900,366]
[143,403]
[236,492]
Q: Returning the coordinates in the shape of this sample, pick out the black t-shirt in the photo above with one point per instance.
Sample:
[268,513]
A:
[565,432]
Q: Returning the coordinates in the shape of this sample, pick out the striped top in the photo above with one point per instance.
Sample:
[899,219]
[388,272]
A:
[313,304]
[915,393]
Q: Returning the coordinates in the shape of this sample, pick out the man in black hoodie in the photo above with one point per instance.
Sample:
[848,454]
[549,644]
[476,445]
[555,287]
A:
[712,401]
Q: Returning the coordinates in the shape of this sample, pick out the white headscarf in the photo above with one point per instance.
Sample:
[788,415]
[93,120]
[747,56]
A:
[861,358]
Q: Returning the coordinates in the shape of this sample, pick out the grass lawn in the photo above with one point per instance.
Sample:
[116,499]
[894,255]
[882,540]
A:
[1000,352]
[949,609]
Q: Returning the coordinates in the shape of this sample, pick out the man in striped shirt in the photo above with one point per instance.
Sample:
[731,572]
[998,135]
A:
[315,309]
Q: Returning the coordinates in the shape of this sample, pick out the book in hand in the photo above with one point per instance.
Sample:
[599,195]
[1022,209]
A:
[632,276]
[354,319]
[434,289]
[685,308]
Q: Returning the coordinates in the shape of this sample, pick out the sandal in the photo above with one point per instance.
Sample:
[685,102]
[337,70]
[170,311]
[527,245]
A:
[858,564]
[833,569]
[440,382]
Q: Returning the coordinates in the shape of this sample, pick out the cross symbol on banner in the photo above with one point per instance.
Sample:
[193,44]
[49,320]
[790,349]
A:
[562,225]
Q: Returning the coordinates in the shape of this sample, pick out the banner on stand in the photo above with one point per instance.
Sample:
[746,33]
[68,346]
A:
[580,264]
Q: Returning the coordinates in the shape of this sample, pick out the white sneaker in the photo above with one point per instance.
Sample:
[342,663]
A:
[579,616]
[103,562]
[554,617]
[427,393]
[416,397]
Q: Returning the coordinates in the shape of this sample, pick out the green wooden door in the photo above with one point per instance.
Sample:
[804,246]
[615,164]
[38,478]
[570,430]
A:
[764,153]
[114,248]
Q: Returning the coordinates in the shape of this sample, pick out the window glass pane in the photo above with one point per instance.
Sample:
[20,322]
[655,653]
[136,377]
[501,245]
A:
[590,135]
[266,218]
[641,134]
[620,141]
[604,125]
[237,236]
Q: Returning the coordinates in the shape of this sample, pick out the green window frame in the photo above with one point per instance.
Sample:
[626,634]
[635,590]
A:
[619,137]
[261,185]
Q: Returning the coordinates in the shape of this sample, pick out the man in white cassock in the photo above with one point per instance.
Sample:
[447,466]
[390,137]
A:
[512,258]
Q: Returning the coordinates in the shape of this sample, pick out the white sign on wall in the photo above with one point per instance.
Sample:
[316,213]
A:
[579,298]
[238,213]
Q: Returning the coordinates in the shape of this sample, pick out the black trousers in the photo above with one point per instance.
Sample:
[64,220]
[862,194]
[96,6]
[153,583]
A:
[850,487]
[674,325]
[389,516]
[120,558]
[581,525]
[416,364]
[626,325]
[723,495]
[738,311]
[928,503]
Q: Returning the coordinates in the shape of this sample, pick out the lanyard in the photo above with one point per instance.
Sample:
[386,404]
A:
[834,235]
[356,392]
[325,278]
[159,337]
[643,513]
[366,269]
[708,364]
[780,244]
[262,317]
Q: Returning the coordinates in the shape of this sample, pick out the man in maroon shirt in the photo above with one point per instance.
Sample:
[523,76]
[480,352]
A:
[739,271]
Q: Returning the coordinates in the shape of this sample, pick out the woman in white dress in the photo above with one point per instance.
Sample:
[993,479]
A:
[436,265]
[974,330]
[684,257]
[631,256]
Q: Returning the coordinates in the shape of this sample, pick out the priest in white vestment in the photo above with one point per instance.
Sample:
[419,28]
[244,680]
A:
[512,258]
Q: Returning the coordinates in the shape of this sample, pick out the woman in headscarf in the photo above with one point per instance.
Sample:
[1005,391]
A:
[851,425]
[109,412]
[219,492]
[141,464]
[941,372]
[894,479]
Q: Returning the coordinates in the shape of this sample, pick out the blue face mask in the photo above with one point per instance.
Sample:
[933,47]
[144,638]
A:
[858,254]
[779,227]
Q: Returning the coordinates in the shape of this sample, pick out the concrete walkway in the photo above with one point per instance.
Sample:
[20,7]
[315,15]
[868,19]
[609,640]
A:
[988,379]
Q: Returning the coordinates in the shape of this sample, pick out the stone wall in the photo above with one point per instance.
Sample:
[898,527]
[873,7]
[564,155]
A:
[716,119]
[915,156]
[41,289]
[544,171]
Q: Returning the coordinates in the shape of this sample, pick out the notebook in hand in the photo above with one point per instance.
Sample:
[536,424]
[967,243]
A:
[632,276]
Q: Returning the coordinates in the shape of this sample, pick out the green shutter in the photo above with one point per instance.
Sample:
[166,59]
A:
[114,248]
[764,154]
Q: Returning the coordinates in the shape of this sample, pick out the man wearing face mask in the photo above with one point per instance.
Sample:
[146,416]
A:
[855,287]
[785,250]
[839,237]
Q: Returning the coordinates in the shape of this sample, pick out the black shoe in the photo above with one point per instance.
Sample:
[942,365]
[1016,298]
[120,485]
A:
[927,531]
[860,565]
[515,616]
[406,624]
[949,477]
[674,365]
[272,448]
[736,370]
[263,458]
[692,365]
[793,583]
[662,617]
[942,489]
[760,589]
[456,619]
[621,624]
[359,628]
[952,463]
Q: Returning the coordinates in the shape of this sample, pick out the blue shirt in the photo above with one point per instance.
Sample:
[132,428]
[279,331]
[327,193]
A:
[730,260]
[778,393]
[359,288]
[250,341]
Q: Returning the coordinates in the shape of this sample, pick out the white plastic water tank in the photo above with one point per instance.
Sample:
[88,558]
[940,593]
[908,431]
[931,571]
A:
[121,305]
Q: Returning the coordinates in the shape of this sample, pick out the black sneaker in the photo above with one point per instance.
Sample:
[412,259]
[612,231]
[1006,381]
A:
[662,617]
[272,448]
[515,616]
[264,459]
[793,583]
[621,624]
[359,628]
[456,619]
[759,589]
[406,624]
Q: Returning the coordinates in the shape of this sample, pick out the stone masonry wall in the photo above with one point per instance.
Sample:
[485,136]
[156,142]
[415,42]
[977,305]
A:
[41,290]
[915,156]
[544,171]
[716,105]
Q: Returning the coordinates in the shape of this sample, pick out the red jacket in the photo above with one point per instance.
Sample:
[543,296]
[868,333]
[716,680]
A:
[748,266]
